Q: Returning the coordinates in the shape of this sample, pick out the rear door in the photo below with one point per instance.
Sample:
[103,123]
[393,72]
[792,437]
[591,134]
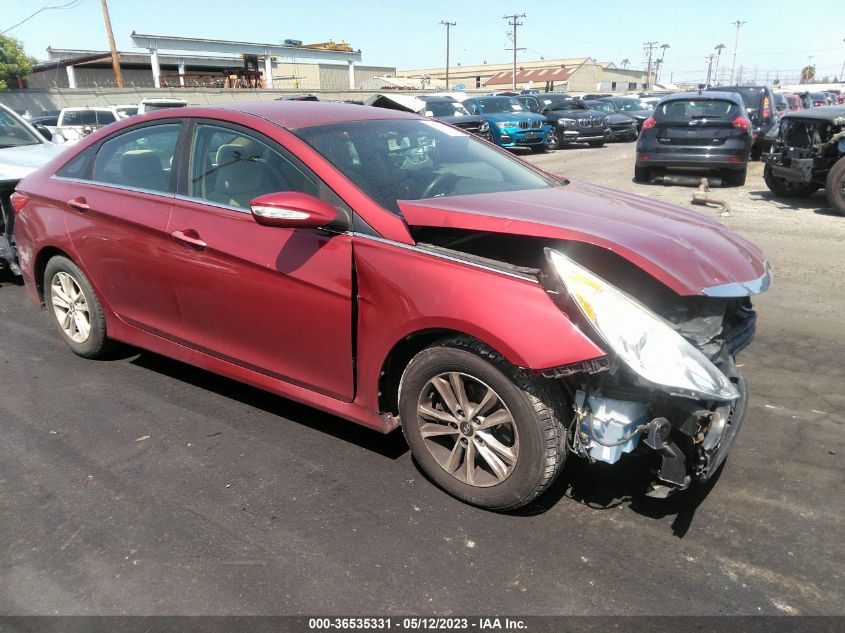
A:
[117,220]
[697,122]
[274,300]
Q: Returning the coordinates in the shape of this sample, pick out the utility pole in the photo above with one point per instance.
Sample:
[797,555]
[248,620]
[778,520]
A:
[649,46]
[718,48]
[513,20]
[448,26]
[737,24]
[709,59]
[118,76]
[842,72]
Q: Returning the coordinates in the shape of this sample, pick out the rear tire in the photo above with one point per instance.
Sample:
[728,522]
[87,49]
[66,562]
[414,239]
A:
[787,189]
[736,178]
[77,312]
[642,174]
[498,467]
[835,186]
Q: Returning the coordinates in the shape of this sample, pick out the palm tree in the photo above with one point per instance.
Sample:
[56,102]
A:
[660,61]
[626,62]
[808,73]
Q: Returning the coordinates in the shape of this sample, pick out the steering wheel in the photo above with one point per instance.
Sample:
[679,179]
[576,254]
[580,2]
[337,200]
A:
[438,184]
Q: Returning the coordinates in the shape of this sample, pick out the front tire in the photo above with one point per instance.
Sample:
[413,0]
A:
[538,149]
[786,188]
[596,143]
[480,428]
[835,186]
[77,312]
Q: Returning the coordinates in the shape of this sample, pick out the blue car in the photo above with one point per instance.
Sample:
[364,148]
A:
[511,124]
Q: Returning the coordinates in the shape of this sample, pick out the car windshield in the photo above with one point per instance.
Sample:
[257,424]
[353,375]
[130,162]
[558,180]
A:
[13,133]
[630,105]
[601,106]
[562,104]
[498,104]
[412,159]
[689,109]
[445,108]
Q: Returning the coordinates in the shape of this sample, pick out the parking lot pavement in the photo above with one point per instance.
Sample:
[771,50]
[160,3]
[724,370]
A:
[138,485]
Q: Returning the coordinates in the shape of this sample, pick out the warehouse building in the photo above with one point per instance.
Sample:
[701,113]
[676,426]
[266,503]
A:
[578,74]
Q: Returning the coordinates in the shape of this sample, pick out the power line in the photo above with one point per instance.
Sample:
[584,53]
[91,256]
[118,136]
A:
[70,5]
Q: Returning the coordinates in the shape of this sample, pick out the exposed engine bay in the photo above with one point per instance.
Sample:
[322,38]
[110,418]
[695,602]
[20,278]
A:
[807,148]
[615,411]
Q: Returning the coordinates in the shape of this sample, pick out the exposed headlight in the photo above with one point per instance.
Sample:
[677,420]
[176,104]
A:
[640,338]
[484,127]
[568,122]
[504,124]
[604,122]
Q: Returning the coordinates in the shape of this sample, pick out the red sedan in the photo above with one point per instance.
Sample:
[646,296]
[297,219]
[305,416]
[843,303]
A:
[394,270]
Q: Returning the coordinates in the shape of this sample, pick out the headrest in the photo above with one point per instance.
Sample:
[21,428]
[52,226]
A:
[233,152]
[140,162]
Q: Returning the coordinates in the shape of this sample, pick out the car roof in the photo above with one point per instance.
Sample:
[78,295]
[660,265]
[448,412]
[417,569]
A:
[834,114]
[298,114]
[706,94]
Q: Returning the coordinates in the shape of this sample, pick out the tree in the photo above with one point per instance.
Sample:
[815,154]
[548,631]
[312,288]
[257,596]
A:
[14,62]
[808,73]
[626,62]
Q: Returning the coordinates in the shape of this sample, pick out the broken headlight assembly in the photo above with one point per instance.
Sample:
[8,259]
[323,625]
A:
[642,340]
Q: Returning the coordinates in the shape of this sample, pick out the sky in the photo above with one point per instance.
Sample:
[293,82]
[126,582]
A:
[779,37]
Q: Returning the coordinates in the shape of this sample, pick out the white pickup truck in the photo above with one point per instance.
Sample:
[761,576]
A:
[74,123]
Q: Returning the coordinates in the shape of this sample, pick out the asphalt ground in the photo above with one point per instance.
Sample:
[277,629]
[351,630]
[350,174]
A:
[240,502]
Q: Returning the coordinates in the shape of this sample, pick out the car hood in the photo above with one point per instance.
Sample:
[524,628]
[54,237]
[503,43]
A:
[513,116]
[575,114]
[638,114]
[463,119]
[834,114]
[688,252]
[617,118]
[17,162]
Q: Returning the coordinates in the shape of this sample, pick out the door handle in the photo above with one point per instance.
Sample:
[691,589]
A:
[189,237]
[78,204]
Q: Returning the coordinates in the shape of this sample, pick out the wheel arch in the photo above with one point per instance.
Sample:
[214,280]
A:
[44,255]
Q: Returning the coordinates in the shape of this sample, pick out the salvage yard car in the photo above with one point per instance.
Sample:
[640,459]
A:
[511,125]
[391,270]
[445,109]
[22,150]
[575,122]
[809,155]
[701,131]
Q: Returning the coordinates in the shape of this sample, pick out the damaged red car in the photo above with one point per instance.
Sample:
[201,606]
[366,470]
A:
[394,270]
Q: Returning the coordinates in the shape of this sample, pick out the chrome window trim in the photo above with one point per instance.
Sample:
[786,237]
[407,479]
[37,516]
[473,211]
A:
[110,185]
[741,289]
[211,203]
[466,262]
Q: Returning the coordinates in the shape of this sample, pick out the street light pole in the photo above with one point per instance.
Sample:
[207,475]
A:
[448,26]
[738,24]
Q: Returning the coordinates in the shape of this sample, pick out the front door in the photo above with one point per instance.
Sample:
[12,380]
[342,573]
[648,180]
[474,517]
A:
[275,300]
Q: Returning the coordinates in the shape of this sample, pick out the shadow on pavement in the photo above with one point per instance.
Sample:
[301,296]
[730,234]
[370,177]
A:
[605,486]
[816,202]
[391,445]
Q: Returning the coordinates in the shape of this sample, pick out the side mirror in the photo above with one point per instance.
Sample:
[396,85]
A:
[43,131]
[544,110]
[291,209]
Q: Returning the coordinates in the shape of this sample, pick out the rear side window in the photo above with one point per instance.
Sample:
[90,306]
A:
[104,117]
[689,109]
[80,117]
[141,158]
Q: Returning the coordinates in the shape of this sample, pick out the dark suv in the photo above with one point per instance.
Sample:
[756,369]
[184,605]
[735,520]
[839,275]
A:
[696,131]
[809,154]
[573,121]
[760,105]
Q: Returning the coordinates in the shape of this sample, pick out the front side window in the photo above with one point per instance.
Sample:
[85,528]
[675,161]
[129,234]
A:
[408,159]
[232,168]
[141,158]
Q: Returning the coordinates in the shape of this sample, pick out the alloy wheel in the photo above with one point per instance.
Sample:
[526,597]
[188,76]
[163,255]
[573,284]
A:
[468,429]
[70,307]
